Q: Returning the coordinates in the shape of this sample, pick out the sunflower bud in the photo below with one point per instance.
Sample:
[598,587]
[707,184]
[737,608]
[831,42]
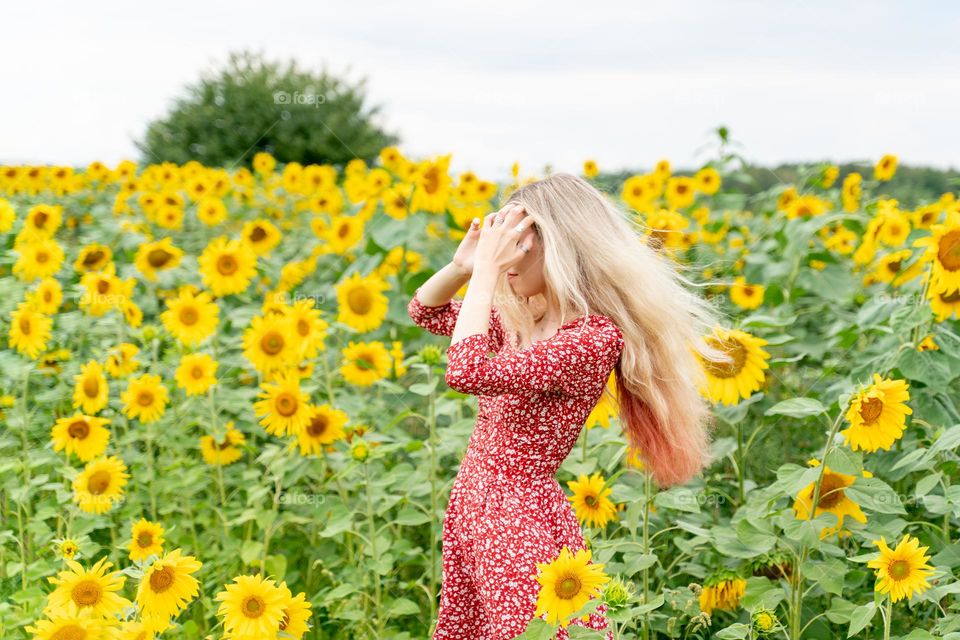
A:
[617,593]
[764,621]
[430,354]
[359,451]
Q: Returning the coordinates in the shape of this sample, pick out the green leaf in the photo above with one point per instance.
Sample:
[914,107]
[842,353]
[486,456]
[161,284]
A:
[251,551]
[734,631]
[797,408]
[402,607]
[410,517]
[861,617]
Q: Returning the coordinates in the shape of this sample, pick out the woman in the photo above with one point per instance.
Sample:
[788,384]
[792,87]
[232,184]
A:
[578,294]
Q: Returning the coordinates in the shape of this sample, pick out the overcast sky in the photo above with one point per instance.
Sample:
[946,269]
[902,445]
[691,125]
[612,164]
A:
[493,82]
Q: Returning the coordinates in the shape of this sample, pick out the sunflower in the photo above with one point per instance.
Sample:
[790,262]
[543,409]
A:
[93,257]
[167,586]
[95,591]
[102,291]
[80,434]
[225,451]
[707,180]
[325,427]
[432,191]
[211,211]
[832,499]
[590,500]
[296,612]
[343,233]
[145,398]
[43,220]
[365,362]
[40,258]
[191,317]
[722,590]
[902,572]
[361,304]
[263,163]
[943,249]
[877,415]
[64,625]
[892,268]
[47,297]
[196,373]
[90,388]
[746,296]
[261,235]
[29,330]
[121,360]
[252,606]
[153,257]
[885,168]
[566,584]
[309,327]
[146,539]
[67,548]
[945,305]
[730,382]
[100,484]
[851,191]
[284,407]
[396,352]
[227,266]
[270,343]
[8,216]
[680,192]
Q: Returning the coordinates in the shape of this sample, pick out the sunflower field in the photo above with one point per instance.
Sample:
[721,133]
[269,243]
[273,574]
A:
[218,420]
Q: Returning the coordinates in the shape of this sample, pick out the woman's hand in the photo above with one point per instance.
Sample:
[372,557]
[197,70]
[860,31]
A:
[463,259]
[500,245]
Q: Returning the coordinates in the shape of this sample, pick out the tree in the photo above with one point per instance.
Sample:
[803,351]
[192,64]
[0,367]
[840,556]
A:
[252,105]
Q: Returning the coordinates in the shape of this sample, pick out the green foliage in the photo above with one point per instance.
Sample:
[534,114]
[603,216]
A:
[252,104]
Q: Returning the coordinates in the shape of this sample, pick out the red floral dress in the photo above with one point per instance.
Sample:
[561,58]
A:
[507,511]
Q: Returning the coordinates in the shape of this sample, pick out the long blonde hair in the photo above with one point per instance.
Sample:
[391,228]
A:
[597,260]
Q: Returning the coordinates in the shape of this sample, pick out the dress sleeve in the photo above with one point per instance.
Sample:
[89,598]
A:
[574,361]
[442,319]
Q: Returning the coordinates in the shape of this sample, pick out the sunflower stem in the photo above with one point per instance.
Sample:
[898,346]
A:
[648,497]
[432,425]
[377,603]
[886,619]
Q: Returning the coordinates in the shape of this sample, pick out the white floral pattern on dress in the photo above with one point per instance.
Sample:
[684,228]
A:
[507,512]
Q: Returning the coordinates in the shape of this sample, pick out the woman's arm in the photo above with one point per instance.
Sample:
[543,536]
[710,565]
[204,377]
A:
[440,316]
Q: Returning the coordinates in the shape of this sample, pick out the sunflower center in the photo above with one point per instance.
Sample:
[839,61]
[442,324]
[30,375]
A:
[431,180]
[831,492]
[145,398]
[145,539]
[360,301]
[732,348]
[568,587]
[92,258]
[98,482]
[79,429]
[197,372]
[86,593]
[899,569]
[158,258]
[303,327]
[161,579]
[258,234]
[69,632]
[227,265]
[25,327]
[224,445]
[40,220]
[870,409]
[91,387]
[253,606]
[949,252]
[317,426]
[591,500]
[286,404]
[42,256]
[272,343]
[285,621]
[103,286]
[189,316]
[895,266]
